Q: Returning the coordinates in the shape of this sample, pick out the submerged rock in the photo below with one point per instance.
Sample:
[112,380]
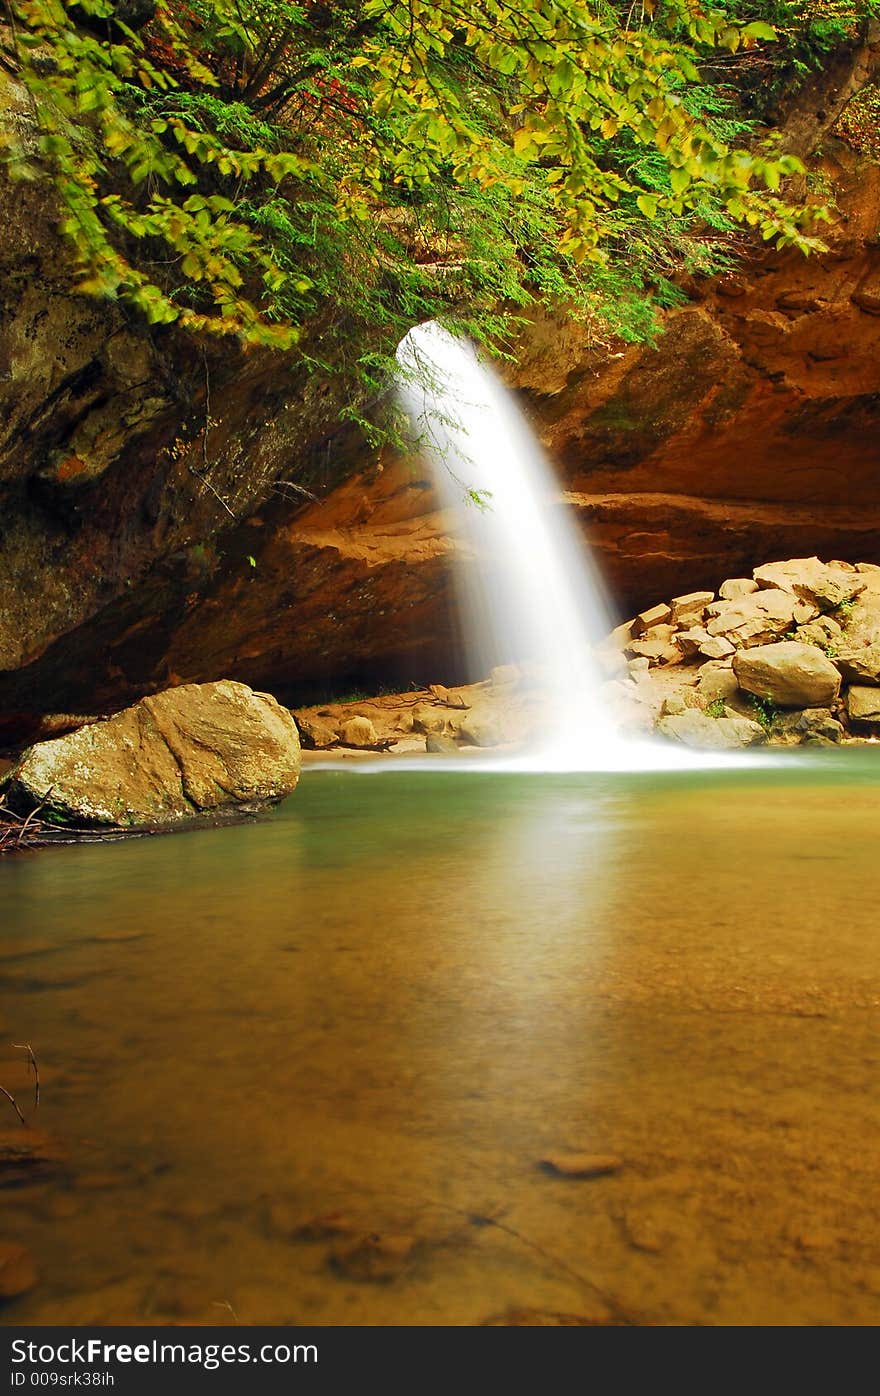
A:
[581,1165]
[201,749]
[789,674]
[18,1273]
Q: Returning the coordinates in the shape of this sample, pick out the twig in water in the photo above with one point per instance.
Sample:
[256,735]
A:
[14,1103]
[34,812]
[32,1065]
[224,1304]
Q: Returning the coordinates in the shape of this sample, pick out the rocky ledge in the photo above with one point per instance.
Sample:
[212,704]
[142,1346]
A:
[790,655]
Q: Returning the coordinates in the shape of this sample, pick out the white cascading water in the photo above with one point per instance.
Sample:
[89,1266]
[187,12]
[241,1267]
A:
[528,591]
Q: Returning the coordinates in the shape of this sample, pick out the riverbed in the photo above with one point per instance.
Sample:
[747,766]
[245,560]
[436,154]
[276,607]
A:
[306,1070]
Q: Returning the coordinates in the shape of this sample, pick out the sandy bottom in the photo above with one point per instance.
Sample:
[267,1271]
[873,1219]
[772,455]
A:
[306,1070]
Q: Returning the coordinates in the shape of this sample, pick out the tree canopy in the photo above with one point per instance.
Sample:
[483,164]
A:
[248,167]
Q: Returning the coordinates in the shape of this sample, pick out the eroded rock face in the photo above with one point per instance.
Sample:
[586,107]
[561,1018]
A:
[195,751]
[159,547]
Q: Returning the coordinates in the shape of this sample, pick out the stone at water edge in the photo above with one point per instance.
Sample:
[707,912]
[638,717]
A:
[198,750]
[358,732]
[695,729]
[863,704]
[788,674]
[438,745]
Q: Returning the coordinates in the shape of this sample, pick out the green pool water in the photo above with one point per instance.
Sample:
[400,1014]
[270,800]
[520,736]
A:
[306,1069]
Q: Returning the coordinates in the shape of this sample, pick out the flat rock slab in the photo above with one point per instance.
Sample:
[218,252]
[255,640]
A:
[190,752]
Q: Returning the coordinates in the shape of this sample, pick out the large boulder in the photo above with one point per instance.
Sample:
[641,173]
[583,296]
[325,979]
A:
[198,750]
[789,674]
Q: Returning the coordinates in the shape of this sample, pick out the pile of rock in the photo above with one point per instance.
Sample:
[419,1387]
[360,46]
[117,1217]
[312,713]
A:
[789,655]
[503,711]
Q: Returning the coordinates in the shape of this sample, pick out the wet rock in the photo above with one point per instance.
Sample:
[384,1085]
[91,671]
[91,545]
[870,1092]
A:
[789,674]
[735,587]
[438,745]
[484,731]
[411,746]
[577,1165]
[429,719]
[317,733]
[695,729]
[358,732]
[286,1221]
[201,749]
[863,704]
[502,676]
[26,1154]
[376,1259]
[818,725]
[686,610]
[18,1273]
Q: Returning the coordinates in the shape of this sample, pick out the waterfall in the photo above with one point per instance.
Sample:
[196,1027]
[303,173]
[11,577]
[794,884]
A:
[528,591]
